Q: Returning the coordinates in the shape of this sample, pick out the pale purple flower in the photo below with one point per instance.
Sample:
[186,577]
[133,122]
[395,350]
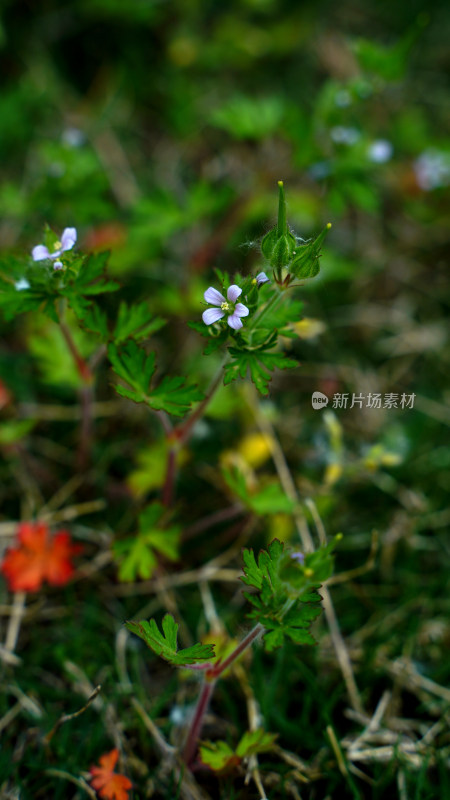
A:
[229,306]
[262,278]
[68,240]
[297,555]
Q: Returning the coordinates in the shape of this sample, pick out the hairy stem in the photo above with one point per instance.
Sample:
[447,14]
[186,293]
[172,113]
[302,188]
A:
[207,689]
[201,708]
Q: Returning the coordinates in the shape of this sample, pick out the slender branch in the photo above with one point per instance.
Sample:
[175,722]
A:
[180,435]
[201,708]
[169,483]
[251,637]
[207,689]
[183,431]
[268,307]
[80,363]
[86,393]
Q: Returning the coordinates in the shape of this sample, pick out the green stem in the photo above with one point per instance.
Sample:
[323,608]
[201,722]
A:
[282,222]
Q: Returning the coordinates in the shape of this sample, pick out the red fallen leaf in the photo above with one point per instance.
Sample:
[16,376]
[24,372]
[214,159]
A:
[39,557]
[107,783]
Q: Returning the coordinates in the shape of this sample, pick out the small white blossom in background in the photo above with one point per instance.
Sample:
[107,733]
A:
[343,98]
[229,306]
[73,137]
[68,239]
[342,135]
[380,151]
[22,284]
[432,169]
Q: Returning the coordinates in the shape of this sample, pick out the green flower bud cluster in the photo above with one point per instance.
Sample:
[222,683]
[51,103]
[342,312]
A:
[285,253]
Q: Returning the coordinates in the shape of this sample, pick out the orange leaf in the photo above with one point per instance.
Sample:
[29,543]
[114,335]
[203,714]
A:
[38,557]
[106,782]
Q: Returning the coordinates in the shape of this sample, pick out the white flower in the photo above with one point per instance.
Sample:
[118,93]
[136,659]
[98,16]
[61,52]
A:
[22,284]
[68,240]
[229,306]
[380,151]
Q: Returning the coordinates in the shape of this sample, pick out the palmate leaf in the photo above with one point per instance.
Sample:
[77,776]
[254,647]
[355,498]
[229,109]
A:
[287,600]
[221,758]
[165,644]
[135,322]
[294,624]
[268,499]
[90,277]
[266,568]
[174,396]
[259,363]
[139,555]
[136,368]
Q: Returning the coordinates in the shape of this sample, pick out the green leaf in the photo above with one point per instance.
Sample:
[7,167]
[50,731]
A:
[15,430]
[218,756]
[165,644]
[265,570]
[294,624]
[221,758]
[269,499]
[89,278]
[259,363]
[287,601]
[174,396]
[136,322]
[254,742]
[138,555]
[90,315]
[135,367]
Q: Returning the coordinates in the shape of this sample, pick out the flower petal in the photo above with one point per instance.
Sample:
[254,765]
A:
[234,321]
[262,278]
[40,252]
[233,293]
[68,239]
[58,265]
[241,310]
[214,297]
[212,315]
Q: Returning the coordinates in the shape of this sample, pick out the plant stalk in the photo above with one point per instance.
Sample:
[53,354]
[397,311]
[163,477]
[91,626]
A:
[207,689]
[190,747]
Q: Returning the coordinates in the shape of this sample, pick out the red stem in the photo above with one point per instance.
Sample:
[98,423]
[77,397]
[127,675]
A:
[221,666]
[190,747]
[169,483]
[211,676]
